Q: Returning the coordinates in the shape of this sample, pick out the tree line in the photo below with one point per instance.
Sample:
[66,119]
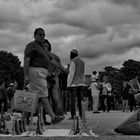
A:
[128,71]
[11,70]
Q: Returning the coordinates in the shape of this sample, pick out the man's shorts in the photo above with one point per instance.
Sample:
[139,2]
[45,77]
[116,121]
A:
[38,83]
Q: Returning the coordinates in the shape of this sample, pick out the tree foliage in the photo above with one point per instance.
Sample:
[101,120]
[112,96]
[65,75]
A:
[128,71]
[10,69]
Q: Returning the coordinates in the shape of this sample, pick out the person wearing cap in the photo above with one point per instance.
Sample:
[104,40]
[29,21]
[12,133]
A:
[95,92]
[75,82]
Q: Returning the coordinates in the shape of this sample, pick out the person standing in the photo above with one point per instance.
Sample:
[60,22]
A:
[125,96]
[54,89]
[95,92]
[75,82]
[3,96]
[36,64]
[10,95]
[135,88]
[106,94]
[63,90]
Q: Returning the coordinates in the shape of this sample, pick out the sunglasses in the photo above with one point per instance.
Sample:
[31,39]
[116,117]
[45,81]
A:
[41,34]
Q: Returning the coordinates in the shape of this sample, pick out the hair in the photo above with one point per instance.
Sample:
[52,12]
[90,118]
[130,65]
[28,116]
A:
[94,72]
[49,44]
[73,55]
[37,29]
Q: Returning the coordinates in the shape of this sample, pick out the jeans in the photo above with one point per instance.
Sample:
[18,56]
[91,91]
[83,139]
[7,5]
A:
[76,93]
[55,98]
[95,102]
[105,103]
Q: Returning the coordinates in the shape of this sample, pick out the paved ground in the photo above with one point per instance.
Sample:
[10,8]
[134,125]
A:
[102,124]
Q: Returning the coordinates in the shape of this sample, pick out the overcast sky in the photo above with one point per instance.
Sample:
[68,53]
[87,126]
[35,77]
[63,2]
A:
[105,32]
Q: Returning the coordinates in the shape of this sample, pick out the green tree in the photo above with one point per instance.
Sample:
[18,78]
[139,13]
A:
[115,78]
[130,69]
[10,69]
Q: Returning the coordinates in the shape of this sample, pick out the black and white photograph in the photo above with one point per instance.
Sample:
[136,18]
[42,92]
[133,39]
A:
[70,69]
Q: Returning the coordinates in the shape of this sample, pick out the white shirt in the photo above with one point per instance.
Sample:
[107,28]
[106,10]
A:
[106,87]
[71,76]
[94,89]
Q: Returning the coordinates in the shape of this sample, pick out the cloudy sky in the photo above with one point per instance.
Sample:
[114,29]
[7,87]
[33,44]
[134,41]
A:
[105,32]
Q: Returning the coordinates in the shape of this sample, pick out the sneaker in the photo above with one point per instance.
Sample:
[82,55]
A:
[96,112]
[47,123]
[58,119]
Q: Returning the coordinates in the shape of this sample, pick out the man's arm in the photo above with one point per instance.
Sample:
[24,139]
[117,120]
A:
[26,69]
[58,65]
[49,56]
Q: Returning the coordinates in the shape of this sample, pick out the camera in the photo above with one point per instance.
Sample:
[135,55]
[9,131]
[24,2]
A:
[51,79]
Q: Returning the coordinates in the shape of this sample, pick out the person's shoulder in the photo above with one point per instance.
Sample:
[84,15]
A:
[80,59]
[76,59]
[30,46]
[56,57]
[32,43]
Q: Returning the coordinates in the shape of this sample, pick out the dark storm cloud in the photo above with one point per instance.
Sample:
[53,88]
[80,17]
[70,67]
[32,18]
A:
[134,3]
[13,18]
[109,48]
[76,15]
[96,28]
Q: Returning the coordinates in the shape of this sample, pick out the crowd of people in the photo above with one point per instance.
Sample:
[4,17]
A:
[60,89]
[104,99]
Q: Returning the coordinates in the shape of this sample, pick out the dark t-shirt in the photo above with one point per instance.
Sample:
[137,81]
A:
[63,80]
[10,93]
[125,92]
[34,51]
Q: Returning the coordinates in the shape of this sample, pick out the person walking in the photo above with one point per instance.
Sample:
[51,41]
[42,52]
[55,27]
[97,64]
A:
[75,82]
[36,64]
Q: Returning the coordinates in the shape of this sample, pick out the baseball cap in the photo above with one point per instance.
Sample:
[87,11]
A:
[74,51]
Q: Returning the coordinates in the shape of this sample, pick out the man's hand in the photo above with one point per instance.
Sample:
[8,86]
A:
[66,71]
[27,80]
